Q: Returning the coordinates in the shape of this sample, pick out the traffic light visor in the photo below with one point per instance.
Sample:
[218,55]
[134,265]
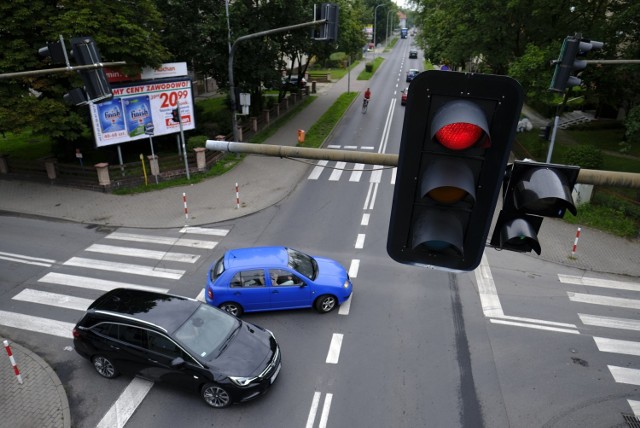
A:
[448,181]
[459,125]
[544,191]
[438,230]
[520,235]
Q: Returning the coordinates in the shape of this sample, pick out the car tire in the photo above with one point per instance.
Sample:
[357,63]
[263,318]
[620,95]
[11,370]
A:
[104,366]
[215,395]
[232,308]
[325,303]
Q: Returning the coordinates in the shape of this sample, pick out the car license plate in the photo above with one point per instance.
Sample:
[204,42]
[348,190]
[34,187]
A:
[276,373]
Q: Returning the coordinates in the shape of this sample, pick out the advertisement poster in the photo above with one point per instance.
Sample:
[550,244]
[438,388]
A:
[138,104]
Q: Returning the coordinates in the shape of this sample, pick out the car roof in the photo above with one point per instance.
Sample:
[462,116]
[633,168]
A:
[415,70]
[164,310]
[256,257]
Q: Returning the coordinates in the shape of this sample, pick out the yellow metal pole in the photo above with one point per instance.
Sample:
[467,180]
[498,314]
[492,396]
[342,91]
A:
[144,170]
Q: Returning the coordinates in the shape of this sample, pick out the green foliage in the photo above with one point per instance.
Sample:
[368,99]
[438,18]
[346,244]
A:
[368,72]
[607,218]
[327,122]
[585,156]
[632,125]
[196,141]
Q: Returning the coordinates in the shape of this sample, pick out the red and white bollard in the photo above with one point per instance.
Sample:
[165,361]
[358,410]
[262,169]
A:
[186,210]
[13,361]
[575,243]
[237,196]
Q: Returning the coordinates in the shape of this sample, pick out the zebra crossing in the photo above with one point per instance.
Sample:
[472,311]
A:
[356,172]
[600,298]
[140,260]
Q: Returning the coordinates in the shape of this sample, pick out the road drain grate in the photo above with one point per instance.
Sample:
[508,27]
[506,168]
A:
[631,420]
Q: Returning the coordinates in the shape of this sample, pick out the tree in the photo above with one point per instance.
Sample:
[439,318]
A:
[123,32]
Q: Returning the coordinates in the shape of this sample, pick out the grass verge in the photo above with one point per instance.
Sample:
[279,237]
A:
[323,127]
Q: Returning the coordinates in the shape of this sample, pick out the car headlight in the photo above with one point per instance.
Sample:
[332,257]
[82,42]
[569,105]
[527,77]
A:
[346,284]
[241,381]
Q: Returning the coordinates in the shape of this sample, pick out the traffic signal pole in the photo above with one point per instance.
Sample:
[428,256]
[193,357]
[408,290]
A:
[232,51]
[586,176]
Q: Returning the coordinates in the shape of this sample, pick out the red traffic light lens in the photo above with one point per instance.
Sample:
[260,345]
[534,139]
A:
[459,136]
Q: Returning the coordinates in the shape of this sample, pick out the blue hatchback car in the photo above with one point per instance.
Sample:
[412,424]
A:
[275,278]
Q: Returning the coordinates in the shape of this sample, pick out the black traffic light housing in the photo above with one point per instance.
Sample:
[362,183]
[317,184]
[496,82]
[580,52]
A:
[175,115]
[532,190]
[568,64]
[456,138]
[329,30]
[85,52]
[56,51]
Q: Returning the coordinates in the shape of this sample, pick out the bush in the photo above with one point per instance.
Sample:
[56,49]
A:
[196,141]
[368,67]
[586,156]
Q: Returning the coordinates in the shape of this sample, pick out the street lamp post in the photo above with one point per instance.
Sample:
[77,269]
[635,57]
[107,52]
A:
[375,27]
[388,28]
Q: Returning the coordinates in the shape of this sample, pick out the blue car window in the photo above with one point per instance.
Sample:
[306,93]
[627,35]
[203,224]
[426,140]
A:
[253,278]
[281,277]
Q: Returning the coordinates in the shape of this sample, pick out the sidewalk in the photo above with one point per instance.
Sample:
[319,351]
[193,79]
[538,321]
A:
[263,181]
[40,401]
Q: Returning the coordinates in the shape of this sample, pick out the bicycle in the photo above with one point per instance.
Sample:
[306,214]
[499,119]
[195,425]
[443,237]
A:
[365,105]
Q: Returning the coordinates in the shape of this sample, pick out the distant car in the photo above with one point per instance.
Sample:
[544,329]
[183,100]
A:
[413,53]
[403,96]
[411,74]
[275,278]
[173,338]
[294,83]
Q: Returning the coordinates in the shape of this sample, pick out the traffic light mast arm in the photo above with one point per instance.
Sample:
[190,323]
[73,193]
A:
[232,95]
[61,69]
[585,176]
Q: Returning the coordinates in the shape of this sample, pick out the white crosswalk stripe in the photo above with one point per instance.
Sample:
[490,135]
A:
[125,268]
[357,172]
[73,273]
[163,240]
[147,254]
[621,347]
[53,299]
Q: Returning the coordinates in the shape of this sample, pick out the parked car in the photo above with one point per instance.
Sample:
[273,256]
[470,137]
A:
[413,53]
[411,74]
[294,83]
[403,96]
[164,337]
[274,278]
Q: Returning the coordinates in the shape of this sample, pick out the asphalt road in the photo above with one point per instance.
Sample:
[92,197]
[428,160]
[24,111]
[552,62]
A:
[413,347]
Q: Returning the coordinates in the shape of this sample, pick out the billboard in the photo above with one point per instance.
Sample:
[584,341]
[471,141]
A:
[143,105]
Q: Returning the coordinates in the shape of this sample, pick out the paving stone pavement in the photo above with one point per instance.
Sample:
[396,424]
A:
[40,401]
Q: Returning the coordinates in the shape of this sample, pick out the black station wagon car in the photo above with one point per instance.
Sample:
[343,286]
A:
[163,337]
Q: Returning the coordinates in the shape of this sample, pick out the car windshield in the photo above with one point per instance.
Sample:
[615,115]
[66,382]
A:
[303,263]
[207,330]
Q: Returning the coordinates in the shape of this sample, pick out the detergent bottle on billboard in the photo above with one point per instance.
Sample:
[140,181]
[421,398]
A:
[138,114]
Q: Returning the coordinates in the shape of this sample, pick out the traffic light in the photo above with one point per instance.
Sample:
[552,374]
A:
[175,115]
[568,65]
[328,30]
[532,191]
[96,86]
[56,51]
[456,138]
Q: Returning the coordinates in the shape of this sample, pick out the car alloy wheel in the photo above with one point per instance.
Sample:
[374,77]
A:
[232,308]
[104,367]
[326,303]
[215,396]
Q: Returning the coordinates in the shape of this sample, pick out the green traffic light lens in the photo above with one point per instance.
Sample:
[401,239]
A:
[459,136]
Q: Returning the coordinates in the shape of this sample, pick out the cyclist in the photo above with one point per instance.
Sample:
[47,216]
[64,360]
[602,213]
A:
[365,101]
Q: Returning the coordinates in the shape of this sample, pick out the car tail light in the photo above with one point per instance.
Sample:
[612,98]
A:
[75,333]
[210,294]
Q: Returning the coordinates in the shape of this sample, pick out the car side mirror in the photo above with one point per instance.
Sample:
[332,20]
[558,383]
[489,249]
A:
[177,362]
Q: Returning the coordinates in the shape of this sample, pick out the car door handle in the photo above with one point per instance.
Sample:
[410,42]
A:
[237,293]
[114,347]
[153,361]
[275,292]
